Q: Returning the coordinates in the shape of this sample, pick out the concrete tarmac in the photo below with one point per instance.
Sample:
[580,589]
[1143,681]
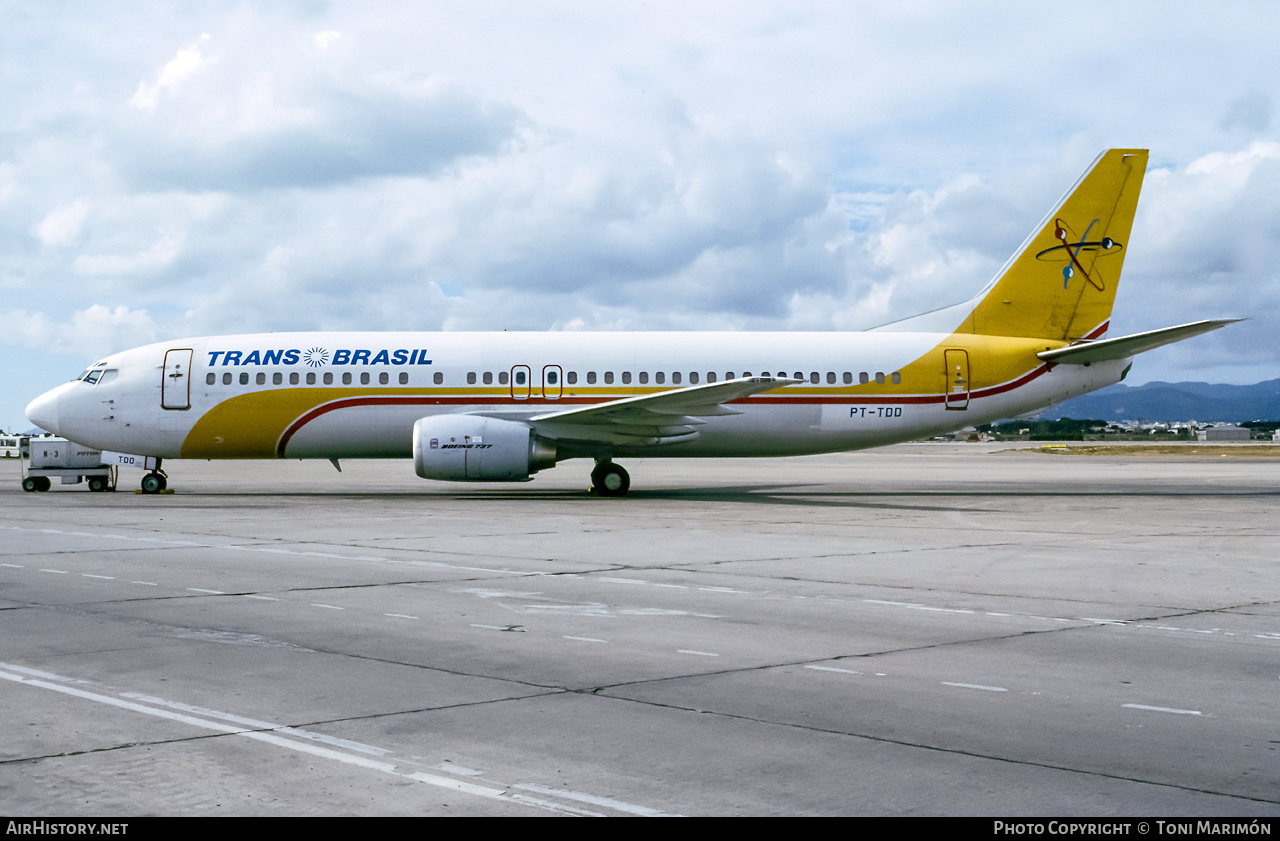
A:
[925,629]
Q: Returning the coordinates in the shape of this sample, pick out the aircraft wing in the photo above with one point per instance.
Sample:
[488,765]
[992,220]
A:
[667,415]
[1103,350]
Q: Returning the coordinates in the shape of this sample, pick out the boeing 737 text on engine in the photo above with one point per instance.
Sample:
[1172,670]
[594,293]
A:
[499,407]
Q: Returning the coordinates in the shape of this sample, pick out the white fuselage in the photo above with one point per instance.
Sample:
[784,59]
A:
[357,395]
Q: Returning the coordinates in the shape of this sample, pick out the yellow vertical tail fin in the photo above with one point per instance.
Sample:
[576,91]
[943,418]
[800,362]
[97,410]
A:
[1062,283]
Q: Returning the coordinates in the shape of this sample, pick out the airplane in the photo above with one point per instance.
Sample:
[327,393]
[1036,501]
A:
[499,407]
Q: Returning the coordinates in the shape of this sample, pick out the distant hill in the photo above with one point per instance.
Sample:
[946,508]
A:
[1168,402]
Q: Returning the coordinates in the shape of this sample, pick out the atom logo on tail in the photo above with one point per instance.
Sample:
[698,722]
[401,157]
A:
[1071,250]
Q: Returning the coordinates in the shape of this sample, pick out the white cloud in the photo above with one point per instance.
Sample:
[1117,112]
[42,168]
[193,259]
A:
[188,62]
[326,39]
[61,226]
[89,333]
[159,256]
[1214,218]
[8,180]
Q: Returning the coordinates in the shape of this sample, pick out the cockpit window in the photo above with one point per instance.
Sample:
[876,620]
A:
[92,373]
[97,375]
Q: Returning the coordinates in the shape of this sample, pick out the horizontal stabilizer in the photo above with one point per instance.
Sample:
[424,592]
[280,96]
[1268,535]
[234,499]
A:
[1084,353]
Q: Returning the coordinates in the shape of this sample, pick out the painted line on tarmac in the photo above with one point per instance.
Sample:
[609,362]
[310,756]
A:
[254,547]
[297,739]
[975,686]
[1161,709]
[594,800]
[250,547]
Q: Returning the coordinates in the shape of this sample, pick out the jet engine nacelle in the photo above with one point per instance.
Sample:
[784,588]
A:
[470,448]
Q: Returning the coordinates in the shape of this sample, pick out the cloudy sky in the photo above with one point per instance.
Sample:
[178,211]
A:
[182,169]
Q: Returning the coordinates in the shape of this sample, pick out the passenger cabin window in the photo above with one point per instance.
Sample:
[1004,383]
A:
[831,378]
[261,379]
[608,378]
[311,378]
[364,378]
[693,378]
[346,378]
[520,377]
[277,378]
[384,378]
[591,378]
[438,378]
[675,378]
[711,376]
[293,378]
[404,378]
[210,379]
[813,377]
[551,378]
[644,378]
[848,378]
[879,378]
[659,378]
[896,378]
[471,378]
[863,378]
[328,379]
[226,378]
[572,377]
[626,378]
[488,378]
[502,377]
[244,379]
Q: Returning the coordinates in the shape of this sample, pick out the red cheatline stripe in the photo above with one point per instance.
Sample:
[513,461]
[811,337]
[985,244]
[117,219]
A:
[918,399]
[352,402]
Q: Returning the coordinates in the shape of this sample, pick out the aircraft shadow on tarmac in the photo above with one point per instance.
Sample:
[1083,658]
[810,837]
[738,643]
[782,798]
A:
[799,494]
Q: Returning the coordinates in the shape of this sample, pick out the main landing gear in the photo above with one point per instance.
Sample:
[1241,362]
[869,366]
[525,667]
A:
[609,479]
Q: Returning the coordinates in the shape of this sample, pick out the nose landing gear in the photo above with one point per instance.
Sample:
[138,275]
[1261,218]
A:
[155,481]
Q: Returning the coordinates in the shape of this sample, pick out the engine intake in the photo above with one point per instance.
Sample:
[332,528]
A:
[471,448]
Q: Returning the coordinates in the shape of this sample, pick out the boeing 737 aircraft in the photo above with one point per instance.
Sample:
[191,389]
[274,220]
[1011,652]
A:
[499,407]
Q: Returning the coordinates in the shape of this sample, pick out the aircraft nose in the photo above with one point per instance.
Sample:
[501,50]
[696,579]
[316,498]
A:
[43,411]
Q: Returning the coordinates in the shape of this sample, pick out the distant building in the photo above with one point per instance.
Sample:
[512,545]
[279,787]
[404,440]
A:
[1226,432]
